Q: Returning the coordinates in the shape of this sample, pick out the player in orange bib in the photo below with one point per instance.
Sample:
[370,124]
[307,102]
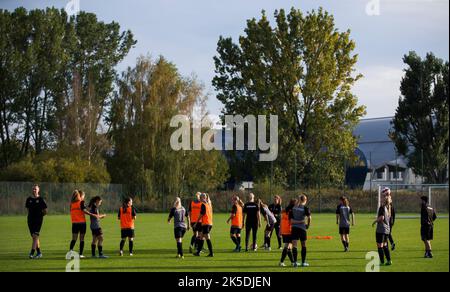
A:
[285,231]
[77,216]
[206,218]
[127,215]
[236,222]
[194,213]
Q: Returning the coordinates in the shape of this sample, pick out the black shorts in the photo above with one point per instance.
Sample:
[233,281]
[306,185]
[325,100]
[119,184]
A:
[127,233]
[206,229]
[196,227]
[235,230]
[381,237]
[34,226]
[344,230]
[179,232]
[97,232]
[287,238]
[426,232]
[78,228]
[299,234]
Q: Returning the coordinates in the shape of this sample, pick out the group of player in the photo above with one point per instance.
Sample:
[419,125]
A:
[289,224]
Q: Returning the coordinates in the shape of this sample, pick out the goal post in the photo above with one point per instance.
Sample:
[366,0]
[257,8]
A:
[406,197]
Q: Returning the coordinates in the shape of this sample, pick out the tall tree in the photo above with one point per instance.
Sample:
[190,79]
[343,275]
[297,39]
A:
[420,126]
[302,70]
[148,96]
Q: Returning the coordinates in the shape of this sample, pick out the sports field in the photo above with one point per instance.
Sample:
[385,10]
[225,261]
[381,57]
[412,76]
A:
[155,247]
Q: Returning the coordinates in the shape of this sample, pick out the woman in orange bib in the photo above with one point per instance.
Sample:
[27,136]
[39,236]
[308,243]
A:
[236,222]
[206,218]
[127,215]
[285,232]
[77,216]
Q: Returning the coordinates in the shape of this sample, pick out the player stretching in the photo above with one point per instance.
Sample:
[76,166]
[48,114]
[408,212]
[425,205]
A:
[285,231]
[97,233]
[343,214]
[276,208]
[270,220]
[77,215]
[206,219]
[252,221]
[236,222]
[179,214]
[37,209]
[428,216]
[127,216]
[383,230]
[194,212]
[300,220]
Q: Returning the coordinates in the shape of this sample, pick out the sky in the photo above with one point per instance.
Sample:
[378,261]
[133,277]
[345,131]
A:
[186,32]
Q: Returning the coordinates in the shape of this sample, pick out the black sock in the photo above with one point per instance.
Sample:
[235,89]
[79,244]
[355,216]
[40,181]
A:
[200,245]
[234,240]
[100,250]
[238,240]
[38,250]
[289,253]
[279,242]
[72,244]
[122,244]
[344,244]
[32,252]
[208,242]
[268,241]
[387,253]
[81,247]
[193,239]
[130,246]
[93,249]
[303,254]
[294,254]
[347,244]
[179,249]
[284,254]
[381,255]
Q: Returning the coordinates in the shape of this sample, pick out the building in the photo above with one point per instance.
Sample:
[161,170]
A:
[379,156]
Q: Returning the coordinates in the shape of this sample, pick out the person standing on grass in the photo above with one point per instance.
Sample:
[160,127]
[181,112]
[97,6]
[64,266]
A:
[300,220]
[343,214]
[252,221]
[78,211]
[383,230]
[427,218]
[276,209]
[387,193]
[97,233]
[236,222]
[127,216]
[206,219]
[286,233]
[194,213]
[178,212]
[270,220]
[37,209]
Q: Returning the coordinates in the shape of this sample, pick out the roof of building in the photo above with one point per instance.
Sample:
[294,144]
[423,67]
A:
[374,142]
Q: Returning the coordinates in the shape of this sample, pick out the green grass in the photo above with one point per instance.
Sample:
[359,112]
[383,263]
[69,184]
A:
[155,247]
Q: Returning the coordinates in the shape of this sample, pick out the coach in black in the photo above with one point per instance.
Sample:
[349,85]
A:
[37,209]
[427,218]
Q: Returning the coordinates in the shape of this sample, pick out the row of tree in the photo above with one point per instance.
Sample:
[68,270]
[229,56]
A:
[66,115]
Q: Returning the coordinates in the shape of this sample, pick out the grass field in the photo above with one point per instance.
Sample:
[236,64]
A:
[155,247]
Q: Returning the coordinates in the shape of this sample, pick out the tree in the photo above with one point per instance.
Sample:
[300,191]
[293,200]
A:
[148,96]
[301,70]
[420,125]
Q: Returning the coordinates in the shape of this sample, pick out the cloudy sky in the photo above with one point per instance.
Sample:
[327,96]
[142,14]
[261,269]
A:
[186,33]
